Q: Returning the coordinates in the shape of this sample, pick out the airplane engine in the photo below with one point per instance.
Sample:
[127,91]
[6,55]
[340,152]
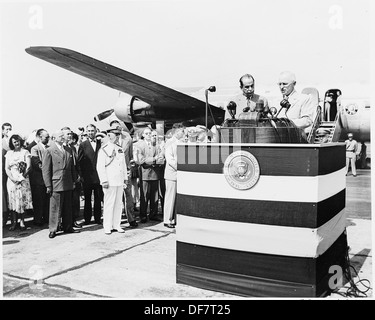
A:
[132,109]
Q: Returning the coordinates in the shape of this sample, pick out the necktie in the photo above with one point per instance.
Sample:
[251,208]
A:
[249,105]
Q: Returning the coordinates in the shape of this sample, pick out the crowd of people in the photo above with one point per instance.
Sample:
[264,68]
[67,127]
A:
[113,173]
[114,170]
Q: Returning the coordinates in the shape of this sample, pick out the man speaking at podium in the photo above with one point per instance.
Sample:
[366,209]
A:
[246,102]
[295,106]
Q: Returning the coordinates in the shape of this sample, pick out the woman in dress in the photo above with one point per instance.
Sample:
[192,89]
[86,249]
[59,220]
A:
[17,167]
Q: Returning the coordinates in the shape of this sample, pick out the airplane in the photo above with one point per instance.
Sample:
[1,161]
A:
[144,102]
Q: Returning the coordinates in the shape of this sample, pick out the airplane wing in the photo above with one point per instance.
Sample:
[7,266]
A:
[124,81]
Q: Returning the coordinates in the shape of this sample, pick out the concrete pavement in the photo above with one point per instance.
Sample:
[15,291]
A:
[141,263]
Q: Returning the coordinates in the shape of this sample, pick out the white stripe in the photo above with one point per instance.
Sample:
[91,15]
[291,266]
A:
[267,239]
[273,188]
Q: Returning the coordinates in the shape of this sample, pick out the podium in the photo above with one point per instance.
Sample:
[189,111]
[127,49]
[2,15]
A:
[261,219]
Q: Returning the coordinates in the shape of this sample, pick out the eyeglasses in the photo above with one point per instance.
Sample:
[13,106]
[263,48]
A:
[283,84]
[147,133]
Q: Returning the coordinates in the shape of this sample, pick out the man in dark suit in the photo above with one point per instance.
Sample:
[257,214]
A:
[87,160]
[59,176]
[38,188]
[150,159]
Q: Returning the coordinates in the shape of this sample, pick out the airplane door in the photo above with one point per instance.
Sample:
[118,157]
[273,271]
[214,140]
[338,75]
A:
[332,104]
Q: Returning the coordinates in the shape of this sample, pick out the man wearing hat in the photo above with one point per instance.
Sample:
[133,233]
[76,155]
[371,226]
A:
[125,141]
[322,135]
[352,151]
[113,178]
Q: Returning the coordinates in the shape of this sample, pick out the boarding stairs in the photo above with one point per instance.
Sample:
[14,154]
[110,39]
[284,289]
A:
[332,128]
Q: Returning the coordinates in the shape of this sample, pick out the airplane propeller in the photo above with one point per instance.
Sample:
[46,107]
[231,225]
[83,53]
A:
[103,115]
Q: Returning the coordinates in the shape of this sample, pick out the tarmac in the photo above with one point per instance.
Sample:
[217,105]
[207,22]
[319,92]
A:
[140,264]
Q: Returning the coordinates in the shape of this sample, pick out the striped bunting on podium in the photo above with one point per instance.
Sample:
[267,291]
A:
[291,217]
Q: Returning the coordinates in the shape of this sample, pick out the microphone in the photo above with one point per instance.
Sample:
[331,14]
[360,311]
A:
[103,115]
[259,106]
[273,112]
[212,89]
[284,104]
[231,107]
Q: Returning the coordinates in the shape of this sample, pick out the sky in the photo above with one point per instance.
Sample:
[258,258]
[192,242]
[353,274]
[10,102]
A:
[177,44]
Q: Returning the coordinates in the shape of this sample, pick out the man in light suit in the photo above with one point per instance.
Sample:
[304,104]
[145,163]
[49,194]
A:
[298,107]
[87,159]
[170,176]
[38,188]
[59,176]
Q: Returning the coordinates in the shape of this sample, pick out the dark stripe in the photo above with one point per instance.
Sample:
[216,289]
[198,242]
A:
[288,214]
[240,285]
[273,161]
[276,273]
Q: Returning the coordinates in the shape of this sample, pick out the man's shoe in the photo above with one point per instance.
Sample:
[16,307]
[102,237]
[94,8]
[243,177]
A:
[354,175]
[72,231]
[76,225]
[133,224]
[169,225]
[98,222]
[143,220]
[52,235]
[120,230]
[108,232]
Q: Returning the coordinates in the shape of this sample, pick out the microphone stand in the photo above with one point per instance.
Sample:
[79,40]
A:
[211,89]
[206,122]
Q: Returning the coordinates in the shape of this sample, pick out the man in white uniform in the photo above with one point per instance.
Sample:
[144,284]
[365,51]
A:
[352,152]
[113,177]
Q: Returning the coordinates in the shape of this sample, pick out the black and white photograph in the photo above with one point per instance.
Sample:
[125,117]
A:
[187,154]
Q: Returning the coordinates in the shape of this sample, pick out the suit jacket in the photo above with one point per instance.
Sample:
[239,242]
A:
[126,143]
[38,152]
[32,144]
[87,160]
[147,154]
[170,172]
[301,111]
[241,102]
[58,169]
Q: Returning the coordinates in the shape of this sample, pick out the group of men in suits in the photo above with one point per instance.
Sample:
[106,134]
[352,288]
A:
[58,171]
[60,168]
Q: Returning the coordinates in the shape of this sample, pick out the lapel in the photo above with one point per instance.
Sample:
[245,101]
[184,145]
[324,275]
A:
[56,152]
[90,149]
[41,151]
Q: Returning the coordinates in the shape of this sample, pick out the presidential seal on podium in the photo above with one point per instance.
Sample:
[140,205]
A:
[241,169]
